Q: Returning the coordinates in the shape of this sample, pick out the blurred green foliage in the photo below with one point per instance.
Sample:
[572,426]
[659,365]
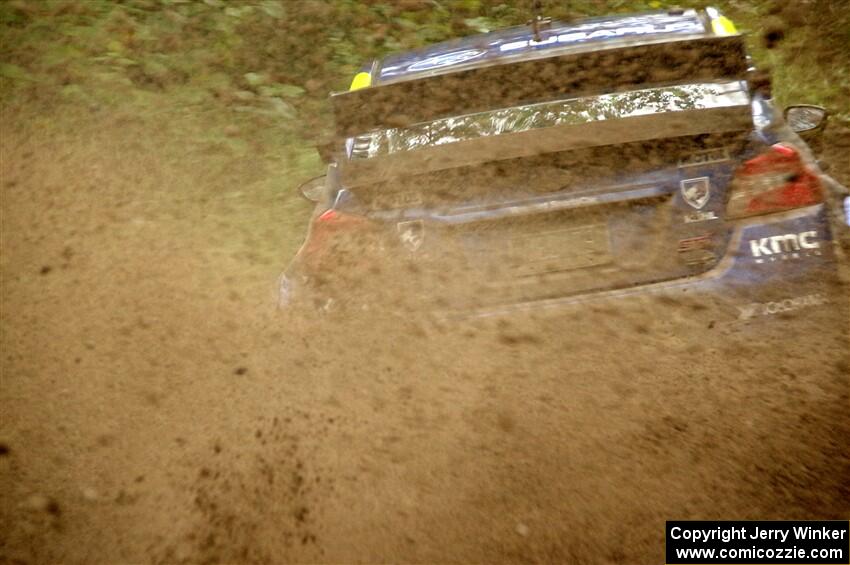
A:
[268,65]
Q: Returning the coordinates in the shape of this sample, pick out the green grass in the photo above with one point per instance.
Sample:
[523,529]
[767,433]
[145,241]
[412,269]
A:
[253,76]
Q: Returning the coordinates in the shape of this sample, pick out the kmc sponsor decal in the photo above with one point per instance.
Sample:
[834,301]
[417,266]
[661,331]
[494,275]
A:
[785,246]
[756,309]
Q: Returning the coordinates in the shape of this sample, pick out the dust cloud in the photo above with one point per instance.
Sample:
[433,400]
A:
[157,407]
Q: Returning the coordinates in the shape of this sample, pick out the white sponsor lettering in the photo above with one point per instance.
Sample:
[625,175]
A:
[804,240]
[705,157]
[699,217]
[446,59]
[785,246]
[758,247]
[577,36]
[756,309]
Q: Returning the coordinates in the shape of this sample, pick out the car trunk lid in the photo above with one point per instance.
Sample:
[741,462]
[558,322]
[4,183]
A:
[654,213]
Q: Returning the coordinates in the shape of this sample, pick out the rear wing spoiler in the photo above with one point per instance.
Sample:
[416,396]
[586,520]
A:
[527,81]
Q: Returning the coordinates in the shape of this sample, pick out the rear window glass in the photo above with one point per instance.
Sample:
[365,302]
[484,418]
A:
[548,114]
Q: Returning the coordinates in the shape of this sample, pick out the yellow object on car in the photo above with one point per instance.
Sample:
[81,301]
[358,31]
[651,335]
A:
[361,80]
[720,24]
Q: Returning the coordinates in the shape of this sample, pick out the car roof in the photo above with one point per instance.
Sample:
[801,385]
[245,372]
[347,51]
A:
[518,42]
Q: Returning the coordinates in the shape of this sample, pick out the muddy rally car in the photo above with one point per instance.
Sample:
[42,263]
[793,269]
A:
[553,165]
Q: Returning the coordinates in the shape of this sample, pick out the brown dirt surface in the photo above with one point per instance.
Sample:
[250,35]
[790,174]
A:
[156,408]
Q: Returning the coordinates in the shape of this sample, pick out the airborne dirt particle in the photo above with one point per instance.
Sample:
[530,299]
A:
[37,502]
[105,440]
[773,33]
[517,339]
[125,498]
[506,422]
[301,513]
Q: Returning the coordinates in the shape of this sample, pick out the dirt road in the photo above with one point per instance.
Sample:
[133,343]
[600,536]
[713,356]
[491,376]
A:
[155,407]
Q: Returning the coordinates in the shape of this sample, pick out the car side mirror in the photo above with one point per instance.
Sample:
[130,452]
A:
[806,119]
[314,189]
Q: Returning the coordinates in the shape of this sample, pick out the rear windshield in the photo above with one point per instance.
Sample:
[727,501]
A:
[547,114]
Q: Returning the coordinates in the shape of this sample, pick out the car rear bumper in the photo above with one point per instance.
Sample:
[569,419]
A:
[777,268]
[751,286]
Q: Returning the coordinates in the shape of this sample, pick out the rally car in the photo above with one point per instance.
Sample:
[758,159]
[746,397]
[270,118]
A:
[543,166]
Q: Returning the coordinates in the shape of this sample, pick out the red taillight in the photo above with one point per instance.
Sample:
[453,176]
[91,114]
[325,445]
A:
[332,217]
[774,181]
[331,231]
[333,221]
[328,216]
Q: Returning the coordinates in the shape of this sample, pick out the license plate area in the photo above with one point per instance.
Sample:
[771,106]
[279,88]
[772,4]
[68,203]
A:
[560,249]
